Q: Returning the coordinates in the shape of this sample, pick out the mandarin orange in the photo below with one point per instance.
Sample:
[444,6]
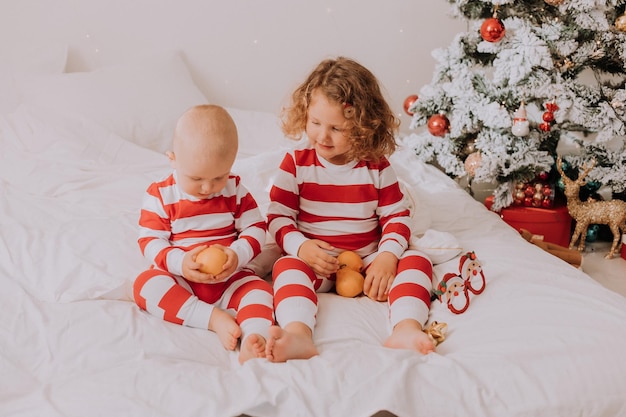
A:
[212,260]
[350,259]
[349,283]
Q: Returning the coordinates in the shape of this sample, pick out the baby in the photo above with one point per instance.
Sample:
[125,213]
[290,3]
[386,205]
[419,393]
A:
[200,204]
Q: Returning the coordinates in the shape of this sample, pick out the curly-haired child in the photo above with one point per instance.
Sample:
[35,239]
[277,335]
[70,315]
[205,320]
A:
[338,193]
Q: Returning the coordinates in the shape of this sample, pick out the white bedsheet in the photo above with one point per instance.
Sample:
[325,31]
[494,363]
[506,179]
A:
[543,339]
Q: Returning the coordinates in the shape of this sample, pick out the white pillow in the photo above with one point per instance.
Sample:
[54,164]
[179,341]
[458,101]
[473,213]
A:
[439,246]
[75,194]
[420,216]
[258,132]
[139,101]
[14,66]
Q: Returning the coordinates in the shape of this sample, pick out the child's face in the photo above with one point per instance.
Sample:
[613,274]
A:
[327,129]
[201,175]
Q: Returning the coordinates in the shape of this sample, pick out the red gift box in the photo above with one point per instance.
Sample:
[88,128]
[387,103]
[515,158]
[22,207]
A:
[554,224]
[624,246]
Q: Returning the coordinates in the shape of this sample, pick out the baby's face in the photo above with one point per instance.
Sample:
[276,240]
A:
[202,175]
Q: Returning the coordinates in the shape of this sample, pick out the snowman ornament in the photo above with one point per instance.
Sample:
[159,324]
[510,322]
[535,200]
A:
[520,122]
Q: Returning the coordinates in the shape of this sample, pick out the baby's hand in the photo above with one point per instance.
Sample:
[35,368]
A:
[190,267]
[314,253]
[380,275]
[229,266]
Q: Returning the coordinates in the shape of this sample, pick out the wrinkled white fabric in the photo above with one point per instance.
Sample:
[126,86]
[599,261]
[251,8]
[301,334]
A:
[543,339]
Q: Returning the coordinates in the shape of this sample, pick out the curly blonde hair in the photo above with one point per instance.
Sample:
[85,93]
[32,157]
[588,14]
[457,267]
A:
[373,127]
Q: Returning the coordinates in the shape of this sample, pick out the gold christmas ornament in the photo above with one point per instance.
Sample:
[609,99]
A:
[437,332]
[611,213]
[472,163]
[620,23]
[565,64]
[470,146]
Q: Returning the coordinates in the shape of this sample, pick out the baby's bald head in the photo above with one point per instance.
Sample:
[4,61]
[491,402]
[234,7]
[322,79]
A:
[206,130]
[205,148]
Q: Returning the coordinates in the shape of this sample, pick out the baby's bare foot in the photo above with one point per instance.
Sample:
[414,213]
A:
[408,334]
[252,346]
[226,328]
[285,344]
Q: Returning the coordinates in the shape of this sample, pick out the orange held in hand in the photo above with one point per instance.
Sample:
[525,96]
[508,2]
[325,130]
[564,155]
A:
[349,281]
[212,260]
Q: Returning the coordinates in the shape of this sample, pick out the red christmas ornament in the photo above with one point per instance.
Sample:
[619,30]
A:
[551,107]
[438,125]
[545,126]
[492,29]
[547,191]
[408,103]
[529,190]
[536,193]
[548,117]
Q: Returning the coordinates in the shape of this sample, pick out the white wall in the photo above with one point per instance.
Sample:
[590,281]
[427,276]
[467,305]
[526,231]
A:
[243,53]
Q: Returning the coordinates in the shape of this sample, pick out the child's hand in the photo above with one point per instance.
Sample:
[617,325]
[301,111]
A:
[379,276]
[230,266]
[314,253]
[190,267]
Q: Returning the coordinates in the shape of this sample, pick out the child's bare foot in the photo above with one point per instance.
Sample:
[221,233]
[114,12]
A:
[252,346]
[226,328]
[408,334]
[293,342]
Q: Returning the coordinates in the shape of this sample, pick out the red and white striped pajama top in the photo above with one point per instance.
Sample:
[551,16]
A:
[357,206]
[173,222]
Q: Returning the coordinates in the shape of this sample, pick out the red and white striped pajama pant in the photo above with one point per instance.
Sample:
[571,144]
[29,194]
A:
[244,295]
[295,287]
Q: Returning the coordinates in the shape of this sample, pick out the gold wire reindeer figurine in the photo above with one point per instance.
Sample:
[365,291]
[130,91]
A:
[611,213]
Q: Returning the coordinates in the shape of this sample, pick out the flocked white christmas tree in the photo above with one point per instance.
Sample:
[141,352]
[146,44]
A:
[528,80]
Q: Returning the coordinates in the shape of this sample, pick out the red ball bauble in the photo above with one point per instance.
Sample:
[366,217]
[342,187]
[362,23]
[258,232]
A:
[492,29]
[438,125]
[545,126]
[547,191]
[548,117]
[529,191]
[408,103]
[547,203]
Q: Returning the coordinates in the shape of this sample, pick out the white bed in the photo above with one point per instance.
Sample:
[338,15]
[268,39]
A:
[543,339]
